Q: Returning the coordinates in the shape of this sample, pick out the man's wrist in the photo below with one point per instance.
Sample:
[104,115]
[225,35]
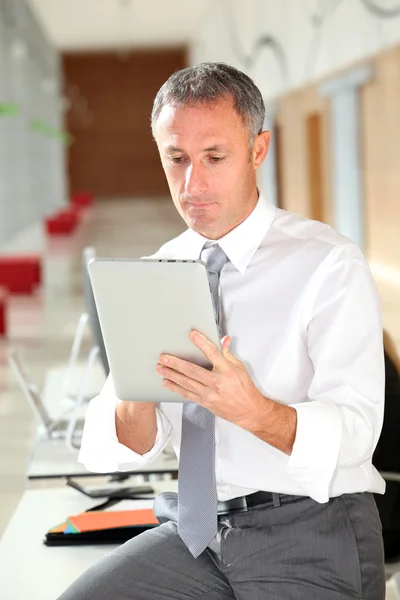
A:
[260,416]
[275,424]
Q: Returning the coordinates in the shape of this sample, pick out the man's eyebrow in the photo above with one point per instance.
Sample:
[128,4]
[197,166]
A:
[173,149]
[215,148]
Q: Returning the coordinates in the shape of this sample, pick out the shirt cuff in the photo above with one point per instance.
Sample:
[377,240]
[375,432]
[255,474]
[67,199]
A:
[316,448]
[101,452]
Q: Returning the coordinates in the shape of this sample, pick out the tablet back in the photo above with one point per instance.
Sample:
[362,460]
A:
[147,307]
[88,254]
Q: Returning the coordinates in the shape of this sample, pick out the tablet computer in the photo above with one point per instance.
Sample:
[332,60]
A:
[147,307]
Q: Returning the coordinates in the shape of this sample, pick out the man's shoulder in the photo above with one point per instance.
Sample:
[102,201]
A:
[304,230]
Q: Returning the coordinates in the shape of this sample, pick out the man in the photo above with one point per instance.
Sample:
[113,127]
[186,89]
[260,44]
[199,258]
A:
[287,420]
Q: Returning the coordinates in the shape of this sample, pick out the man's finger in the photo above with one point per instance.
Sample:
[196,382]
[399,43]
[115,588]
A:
[209,349]
[186,368]
[226,351]
[183,381]
[177,389]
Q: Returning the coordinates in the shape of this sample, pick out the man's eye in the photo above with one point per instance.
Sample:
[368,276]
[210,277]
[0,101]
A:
[216,159]
[177,160]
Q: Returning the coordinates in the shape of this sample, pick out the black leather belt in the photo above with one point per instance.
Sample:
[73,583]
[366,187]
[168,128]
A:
[243,502]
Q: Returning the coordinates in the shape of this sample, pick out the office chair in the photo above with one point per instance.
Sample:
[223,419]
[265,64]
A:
[89,317]
[53,426]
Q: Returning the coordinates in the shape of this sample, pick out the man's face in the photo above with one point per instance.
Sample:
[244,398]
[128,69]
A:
[210,168]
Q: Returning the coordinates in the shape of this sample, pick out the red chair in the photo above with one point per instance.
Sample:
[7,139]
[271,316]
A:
[62,223]
[20,274]
[3,311]
[82,199]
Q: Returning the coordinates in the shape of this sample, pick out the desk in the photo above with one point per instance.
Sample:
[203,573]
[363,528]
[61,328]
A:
[51,459]
[393,588]
[28,568]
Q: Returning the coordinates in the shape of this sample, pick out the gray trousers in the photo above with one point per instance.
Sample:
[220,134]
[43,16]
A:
[299,550]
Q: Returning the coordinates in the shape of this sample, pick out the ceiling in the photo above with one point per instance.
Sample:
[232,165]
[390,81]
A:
[96,24]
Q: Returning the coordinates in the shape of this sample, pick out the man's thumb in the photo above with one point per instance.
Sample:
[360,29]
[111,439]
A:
[226,350]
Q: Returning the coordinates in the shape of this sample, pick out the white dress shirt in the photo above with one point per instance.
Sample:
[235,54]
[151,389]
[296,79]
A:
[301,307]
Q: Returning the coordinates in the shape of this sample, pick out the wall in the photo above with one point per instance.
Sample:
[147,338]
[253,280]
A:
[294,110]
[32,168]
[286,44]
[379,102]
[111,96]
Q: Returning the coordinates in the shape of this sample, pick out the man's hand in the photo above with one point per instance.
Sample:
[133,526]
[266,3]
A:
[228,392]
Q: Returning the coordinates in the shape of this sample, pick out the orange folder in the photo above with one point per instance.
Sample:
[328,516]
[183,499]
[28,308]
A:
[97,520]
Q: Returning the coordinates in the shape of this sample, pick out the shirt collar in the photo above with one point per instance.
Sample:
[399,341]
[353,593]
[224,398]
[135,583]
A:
[241,243]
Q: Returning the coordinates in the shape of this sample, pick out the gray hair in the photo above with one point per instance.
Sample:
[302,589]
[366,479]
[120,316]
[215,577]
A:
[208,83]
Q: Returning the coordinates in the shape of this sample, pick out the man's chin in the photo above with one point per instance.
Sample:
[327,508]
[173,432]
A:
[205,227]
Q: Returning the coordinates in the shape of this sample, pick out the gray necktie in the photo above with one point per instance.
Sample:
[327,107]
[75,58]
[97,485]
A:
[197,490]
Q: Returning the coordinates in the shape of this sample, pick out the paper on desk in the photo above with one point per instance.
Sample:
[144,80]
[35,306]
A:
[123,506]
[97,520]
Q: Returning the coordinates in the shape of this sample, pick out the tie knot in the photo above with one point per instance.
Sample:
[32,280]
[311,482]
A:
[215,259]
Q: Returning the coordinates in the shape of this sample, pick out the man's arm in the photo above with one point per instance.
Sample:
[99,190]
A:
[121,436]
[229,393]
[338,424]
[276,424]
[136,425]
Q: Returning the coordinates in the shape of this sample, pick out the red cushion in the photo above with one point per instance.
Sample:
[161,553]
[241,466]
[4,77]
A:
[20,274]
[3,311]
[63,222]
[82,199]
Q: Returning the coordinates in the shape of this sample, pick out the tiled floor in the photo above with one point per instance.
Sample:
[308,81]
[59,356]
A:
[44,324]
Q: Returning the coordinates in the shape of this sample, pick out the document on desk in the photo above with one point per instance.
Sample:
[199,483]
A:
[107,526]
[97,520]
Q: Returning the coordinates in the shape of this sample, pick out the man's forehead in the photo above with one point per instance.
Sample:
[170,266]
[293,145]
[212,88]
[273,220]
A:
[198,117]
[180,146]
[206,130]
[198,128]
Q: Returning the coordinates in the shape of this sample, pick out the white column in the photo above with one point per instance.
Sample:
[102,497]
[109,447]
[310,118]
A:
[268,182]
[348,193]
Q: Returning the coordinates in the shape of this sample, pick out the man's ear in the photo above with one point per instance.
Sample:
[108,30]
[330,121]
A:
[260,148]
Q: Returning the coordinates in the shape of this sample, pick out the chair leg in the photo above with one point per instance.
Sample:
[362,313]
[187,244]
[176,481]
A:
[76,346]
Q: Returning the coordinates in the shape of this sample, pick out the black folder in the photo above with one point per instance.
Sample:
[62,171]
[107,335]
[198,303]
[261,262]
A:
[118,535]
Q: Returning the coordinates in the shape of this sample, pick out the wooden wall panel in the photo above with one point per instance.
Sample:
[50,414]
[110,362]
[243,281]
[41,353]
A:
[315,166]
[380,144]
[111,95]
[380,115]
[298,193]
[380,135]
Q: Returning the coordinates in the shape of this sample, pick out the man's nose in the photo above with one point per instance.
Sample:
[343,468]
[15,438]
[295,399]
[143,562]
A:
[195,183]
